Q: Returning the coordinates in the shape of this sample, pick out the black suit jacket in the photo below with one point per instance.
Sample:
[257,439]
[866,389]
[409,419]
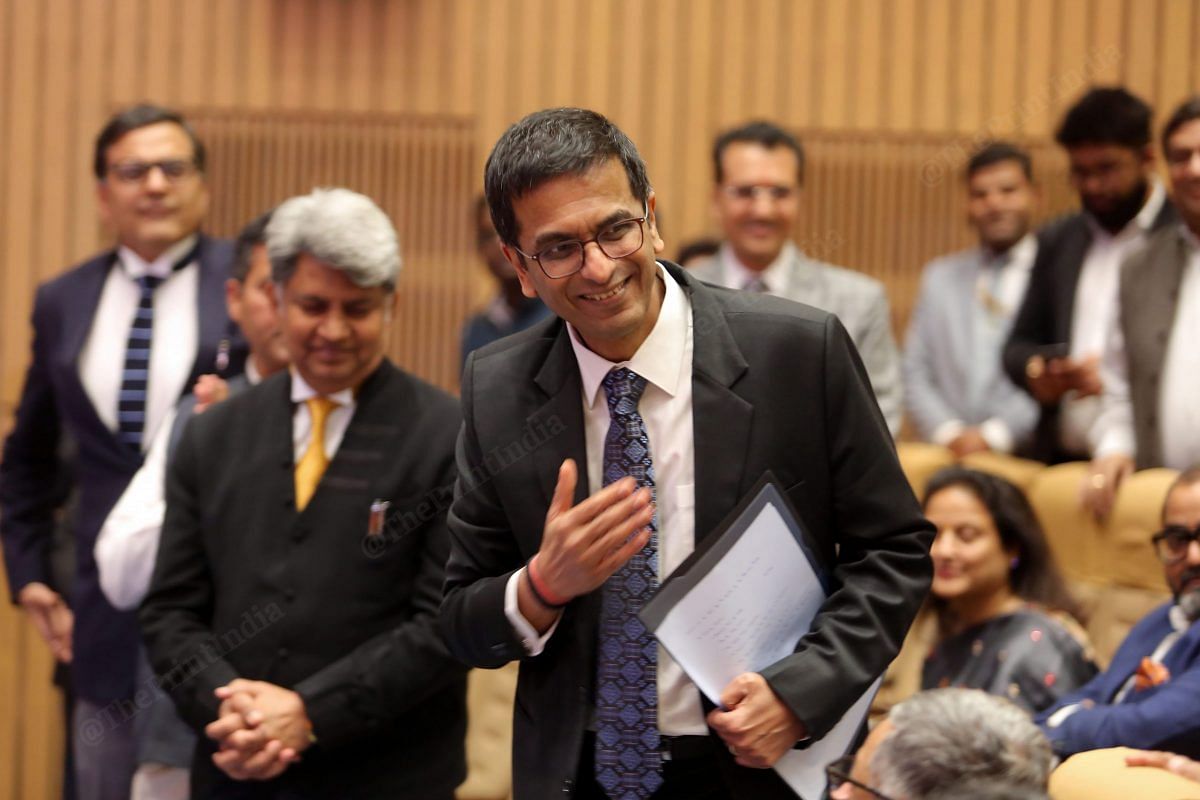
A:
[1043,323]
[776,386]
[244,585]
[54,405]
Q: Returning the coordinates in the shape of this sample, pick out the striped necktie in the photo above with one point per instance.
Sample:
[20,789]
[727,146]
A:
[135,374]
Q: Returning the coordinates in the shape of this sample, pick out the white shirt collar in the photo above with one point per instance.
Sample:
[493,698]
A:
[1021,254]
[253,376]
[774,275]
[301,392]
[135,266]
[1179,620]
[659,359]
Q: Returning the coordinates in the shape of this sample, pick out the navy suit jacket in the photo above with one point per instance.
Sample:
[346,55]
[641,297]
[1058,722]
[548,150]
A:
[54,405]
[1163,717]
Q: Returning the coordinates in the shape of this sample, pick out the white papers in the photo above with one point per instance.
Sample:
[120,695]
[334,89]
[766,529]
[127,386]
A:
[742,606]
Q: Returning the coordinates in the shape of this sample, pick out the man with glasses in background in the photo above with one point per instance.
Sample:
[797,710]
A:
[1149,697]
[759,172]
[116,342]
[643,415]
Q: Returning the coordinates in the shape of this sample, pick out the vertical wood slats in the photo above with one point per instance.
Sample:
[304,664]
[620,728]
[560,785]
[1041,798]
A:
[851,76]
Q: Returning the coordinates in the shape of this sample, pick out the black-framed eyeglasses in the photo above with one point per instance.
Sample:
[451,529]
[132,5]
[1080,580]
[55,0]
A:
[1172,543]
[618,240]
[173,169]
[838,773]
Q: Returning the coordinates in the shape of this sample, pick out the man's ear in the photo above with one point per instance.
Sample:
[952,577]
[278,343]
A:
[1148,157]
[233,299]
[652,224]
[391,306]
[103,203]
[518,263]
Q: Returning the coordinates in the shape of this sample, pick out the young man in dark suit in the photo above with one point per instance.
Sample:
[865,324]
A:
[292,610]
[1071,304]
[629,427]
[117,341]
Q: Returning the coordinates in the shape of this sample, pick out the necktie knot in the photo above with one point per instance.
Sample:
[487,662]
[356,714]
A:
[755,284]
[319,408]
[623,387]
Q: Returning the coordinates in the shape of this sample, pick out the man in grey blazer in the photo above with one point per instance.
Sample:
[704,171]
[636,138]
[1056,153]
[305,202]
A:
[600,448]
[759,171]
[955,388]
[1150,368]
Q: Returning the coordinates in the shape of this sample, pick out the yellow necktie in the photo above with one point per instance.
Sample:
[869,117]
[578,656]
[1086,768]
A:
[314,461]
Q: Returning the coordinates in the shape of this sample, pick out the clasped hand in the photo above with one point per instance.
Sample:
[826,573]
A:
[261,729]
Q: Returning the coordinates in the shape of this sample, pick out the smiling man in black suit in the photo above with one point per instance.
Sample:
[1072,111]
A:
[283,617]
[671,399]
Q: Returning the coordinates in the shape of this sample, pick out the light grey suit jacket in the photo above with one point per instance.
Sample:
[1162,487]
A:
[940,355]
[858,301]
[1150,281]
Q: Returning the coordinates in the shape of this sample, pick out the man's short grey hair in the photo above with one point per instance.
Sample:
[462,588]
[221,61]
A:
[943,737]
[340,228]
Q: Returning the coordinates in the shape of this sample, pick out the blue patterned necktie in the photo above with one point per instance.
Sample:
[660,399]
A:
[628,763]
[135,376]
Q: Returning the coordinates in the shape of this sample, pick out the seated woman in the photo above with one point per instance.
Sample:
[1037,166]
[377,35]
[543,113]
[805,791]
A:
[1003,616]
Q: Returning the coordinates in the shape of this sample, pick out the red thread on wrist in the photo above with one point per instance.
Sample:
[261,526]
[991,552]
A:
[546,598]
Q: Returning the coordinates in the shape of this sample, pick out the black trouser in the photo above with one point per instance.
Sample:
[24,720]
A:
[690,771]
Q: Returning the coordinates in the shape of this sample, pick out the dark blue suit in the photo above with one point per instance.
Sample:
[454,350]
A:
[54,404]
[1164,717]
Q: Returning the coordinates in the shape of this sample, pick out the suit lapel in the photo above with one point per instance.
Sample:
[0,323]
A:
[720,417]
[1073,253]
[86,288]
[559,380]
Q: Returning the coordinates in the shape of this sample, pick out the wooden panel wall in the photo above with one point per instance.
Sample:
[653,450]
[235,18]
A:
[883,88]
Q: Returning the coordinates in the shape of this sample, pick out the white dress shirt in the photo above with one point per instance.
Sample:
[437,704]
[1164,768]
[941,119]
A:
[174,337]
[1179,389]
[665,361]
[127,545]
[1094,315]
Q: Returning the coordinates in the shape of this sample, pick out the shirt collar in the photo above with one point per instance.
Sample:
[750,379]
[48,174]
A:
[660,358]
[1179,620]
[253,376]
[774,276]
[135,266]
[302,392]
[1022,253]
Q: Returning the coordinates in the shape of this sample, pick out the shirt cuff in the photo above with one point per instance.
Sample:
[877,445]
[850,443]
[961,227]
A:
[996,433]
[1060,716]
[947,432]
[1117,439]
[528,635]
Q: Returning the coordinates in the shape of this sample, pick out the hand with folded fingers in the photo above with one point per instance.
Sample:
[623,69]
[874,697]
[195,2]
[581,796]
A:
[261,728]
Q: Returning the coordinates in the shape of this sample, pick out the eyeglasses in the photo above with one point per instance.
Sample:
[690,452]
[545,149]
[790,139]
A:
[173,169]
[618,240]
[750,192]
[1173,541]
[838,773]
